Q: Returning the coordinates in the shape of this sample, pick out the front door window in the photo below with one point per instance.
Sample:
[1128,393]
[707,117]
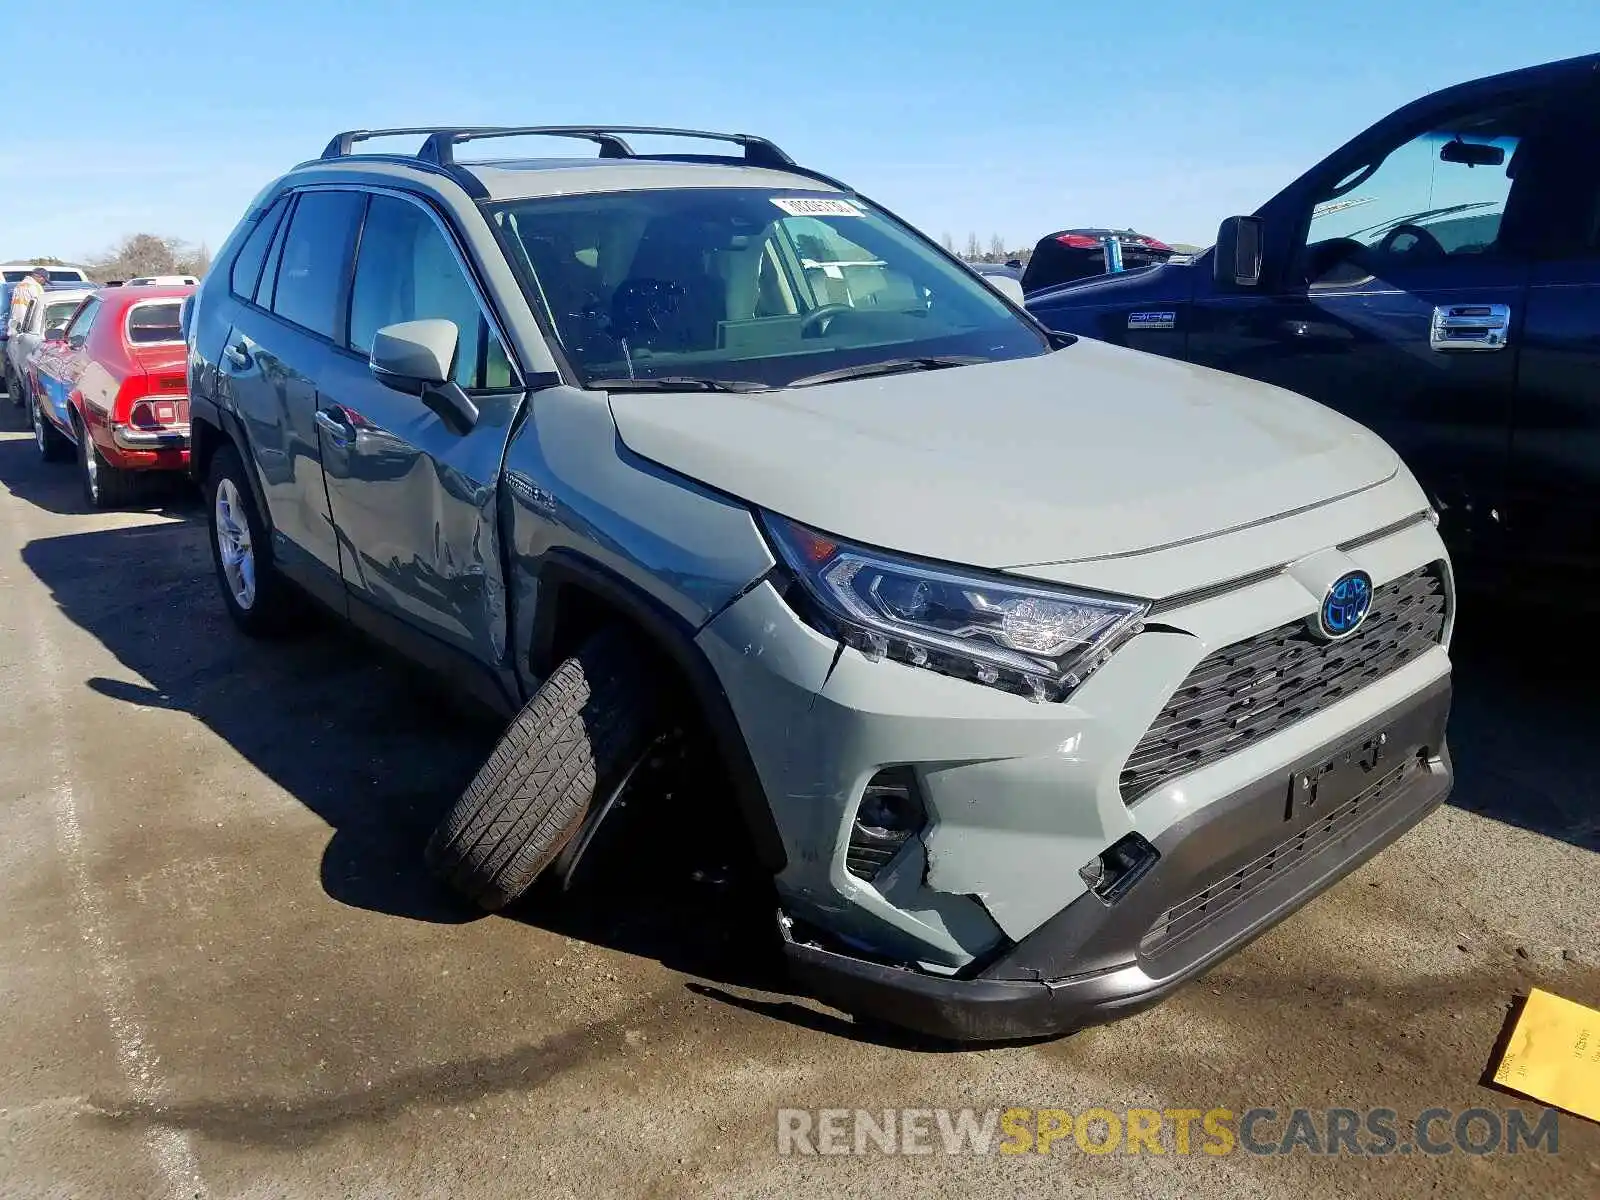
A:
[1436,199]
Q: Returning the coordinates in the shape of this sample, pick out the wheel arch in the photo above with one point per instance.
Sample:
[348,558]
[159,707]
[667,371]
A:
[210,428]
[576,596]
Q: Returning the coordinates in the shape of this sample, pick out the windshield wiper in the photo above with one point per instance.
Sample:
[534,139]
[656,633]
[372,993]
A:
[891,366]
[678,383]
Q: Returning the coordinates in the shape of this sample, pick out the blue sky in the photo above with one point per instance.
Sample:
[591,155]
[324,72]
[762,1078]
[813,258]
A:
[1014,119]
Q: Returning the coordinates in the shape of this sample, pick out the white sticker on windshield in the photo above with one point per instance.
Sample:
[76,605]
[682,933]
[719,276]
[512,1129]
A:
[815,206]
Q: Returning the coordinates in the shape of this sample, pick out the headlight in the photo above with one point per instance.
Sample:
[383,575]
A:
[1037,641]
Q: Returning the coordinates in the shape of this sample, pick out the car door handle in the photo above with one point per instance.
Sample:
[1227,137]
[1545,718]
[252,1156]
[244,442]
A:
[1469,327]
[332,422]
[238,355]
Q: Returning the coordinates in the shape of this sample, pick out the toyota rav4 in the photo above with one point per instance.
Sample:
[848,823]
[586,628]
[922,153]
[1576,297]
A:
[1045,672]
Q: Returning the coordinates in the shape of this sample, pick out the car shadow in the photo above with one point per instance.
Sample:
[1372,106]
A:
[379,751]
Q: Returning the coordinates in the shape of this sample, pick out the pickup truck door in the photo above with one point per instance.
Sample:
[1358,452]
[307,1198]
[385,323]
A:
[415,495]
[1401,297]
[280,345]
[1555,459]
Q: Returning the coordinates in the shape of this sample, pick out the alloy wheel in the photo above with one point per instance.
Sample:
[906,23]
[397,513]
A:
[234,545]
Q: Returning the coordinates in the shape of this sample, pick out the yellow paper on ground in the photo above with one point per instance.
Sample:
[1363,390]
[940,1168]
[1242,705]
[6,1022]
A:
[1554,1054]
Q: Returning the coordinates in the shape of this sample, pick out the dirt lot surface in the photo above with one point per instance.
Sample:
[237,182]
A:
[223,973]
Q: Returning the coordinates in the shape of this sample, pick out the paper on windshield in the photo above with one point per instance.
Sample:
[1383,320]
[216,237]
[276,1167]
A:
[815,206]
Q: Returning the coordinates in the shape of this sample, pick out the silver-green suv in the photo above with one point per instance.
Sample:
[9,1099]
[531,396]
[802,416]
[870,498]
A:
[1046,673]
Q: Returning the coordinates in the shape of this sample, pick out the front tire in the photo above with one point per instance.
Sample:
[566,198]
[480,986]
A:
[261,602]
[584,730]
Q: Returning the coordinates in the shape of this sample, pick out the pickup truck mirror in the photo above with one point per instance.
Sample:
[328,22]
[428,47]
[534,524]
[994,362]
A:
[415,357]
[1236,261]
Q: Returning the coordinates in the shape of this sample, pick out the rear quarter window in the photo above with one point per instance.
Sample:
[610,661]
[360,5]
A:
[149,324]
[247,263]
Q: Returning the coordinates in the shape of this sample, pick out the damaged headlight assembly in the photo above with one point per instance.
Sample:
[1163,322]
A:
[1031,639]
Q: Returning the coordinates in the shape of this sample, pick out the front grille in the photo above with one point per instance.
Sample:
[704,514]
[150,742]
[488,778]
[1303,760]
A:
[1252,689]
[1211,904]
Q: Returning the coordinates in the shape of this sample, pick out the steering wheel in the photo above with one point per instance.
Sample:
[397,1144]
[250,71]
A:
[820,316]
[1425,241]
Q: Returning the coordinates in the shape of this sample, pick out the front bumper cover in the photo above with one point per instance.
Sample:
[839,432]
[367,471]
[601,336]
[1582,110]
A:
[1226,874]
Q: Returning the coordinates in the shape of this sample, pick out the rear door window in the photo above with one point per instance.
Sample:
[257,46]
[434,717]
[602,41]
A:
[315,261]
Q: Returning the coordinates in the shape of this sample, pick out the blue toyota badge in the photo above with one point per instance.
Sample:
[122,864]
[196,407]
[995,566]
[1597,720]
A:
[1345,606]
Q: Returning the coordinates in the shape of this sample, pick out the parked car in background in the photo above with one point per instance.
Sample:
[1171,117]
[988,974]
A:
[13,273]
[1437,278]
[16,272]
[112,386]
[1080,253]
[1005,278]
[161,281]
[1045,674]
[54,308]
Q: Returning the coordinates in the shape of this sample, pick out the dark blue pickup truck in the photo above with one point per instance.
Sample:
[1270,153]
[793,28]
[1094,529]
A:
[1438,279]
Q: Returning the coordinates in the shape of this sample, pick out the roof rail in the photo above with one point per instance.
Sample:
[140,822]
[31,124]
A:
[343,144]
[441,143]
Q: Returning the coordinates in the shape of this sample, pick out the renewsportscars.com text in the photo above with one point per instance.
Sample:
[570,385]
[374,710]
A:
[1372,1132]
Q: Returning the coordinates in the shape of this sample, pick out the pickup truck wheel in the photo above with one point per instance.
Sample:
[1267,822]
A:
[104,486]
[579,736]
[260,601]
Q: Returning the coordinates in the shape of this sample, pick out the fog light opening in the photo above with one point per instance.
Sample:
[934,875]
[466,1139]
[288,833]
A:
[891,812]
[1117,868]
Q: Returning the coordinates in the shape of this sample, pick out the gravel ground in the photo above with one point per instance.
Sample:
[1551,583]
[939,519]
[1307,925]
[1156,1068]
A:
[223,974]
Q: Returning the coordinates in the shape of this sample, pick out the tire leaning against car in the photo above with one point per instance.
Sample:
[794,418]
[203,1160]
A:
[583,731]
[272,606]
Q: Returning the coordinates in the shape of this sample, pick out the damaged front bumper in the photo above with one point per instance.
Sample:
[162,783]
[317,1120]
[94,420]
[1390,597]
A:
[1225,874]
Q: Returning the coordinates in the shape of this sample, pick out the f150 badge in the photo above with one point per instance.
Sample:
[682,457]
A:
[1153,320]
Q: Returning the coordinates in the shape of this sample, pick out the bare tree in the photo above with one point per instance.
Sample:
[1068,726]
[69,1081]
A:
[948,242]
[973,249]
[997,249]
[150,254]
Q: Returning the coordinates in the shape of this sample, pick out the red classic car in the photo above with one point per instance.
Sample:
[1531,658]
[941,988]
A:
[113,384]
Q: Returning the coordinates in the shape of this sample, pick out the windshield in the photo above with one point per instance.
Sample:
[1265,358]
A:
[748,285]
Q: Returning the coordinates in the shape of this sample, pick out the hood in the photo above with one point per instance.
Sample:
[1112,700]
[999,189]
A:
[1090,452]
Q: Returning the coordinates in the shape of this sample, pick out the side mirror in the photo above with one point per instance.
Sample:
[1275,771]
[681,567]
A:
[415,357]
[1236,260]
[56,333]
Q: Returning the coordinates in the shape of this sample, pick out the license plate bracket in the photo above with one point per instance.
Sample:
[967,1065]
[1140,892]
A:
[1337,779]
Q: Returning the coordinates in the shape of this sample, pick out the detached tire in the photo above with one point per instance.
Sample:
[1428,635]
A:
[584,728]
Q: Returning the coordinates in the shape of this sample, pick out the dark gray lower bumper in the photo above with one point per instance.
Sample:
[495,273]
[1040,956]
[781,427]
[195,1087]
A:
[1225,875]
